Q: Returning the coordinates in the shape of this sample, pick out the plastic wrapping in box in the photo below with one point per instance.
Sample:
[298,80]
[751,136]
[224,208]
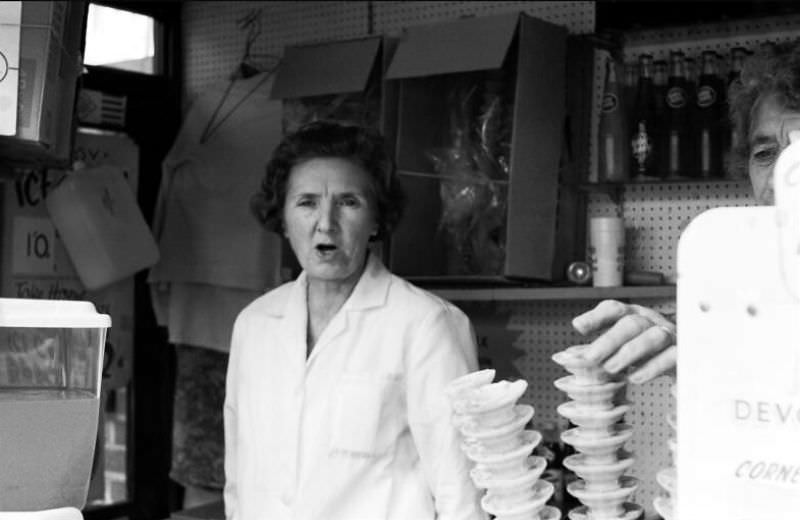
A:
[473,166]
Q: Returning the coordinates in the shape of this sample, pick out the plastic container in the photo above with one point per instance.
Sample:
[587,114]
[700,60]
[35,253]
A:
[51,355]
[101,225]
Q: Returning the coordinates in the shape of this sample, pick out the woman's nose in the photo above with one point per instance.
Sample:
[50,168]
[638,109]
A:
[326,217]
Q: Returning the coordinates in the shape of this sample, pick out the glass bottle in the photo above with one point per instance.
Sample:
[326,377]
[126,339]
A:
[660,91]
[690,66]
[643,124]
[738,55]
[724,120]
[708,139]
[612,133]
[629,89]
[676,128]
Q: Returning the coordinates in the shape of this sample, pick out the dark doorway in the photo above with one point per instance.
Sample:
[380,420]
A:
[152,120]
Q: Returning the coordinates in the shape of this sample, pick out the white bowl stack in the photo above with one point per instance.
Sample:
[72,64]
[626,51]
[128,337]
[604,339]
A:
[598,438]
[492,425]
[667,477]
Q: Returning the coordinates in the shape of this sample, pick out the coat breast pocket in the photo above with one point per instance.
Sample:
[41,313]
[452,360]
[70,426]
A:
[367,415]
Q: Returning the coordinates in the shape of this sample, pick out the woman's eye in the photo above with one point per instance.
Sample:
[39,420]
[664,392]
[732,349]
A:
[306,203]
[349,202]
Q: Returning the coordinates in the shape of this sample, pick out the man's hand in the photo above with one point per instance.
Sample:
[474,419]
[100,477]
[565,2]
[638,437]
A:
[632,335]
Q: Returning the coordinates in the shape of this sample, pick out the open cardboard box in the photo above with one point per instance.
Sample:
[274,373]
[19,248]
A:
[341,80]
[539,226]
[335,80]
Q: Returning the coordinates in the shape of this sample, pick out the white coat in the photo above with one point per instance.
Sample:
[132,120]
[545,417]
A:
[361,429]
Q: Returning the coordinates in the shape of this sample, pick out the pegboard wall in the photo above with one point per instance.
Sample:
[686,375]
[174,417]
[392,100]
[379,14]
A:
[720,37]
[655,214]
[214,44]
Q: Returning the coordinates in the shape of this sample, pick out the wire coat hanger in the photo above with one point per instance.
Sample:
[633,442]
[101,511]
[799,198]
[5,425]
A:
[251,22]
[246,69]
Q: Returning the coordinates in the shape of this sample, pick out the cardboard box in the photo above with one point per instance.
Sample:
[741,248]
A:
[50,43]
[341,80]
[520,62]
[333,80]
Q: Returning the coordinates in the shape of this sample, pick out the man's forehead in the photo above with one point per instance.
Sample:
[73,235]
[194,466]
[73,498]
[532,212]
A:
[773,121]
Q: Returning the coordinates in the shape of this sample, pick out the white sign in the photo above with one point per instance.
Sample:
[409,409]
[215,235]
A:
[34,246]
[10,27]
[738,454]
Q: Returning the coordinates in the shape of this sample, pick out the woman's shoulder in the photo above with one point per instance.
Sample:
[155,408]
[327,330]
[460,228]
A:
[418,299]
[273,302]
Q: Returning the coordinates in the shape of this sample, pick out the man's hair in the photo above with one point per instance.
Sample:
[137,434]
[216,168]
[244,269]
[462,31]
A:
[775,69]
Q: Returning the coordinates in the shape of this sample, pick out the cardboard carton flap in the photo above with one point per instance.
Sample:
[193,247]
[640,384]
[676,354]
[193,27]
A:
[326,68]
[465,45]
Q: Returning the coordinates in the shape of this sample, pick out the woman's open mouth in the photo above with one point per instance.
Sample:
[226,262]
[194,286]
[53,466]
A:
[325,249]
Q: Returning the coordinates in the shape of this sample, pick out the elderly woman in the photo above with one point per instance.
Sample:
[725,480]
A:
[765,108]
[335,404]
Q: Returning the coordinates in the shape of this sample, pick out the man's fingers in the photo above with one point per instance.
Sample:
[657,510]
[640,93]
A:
[629,335]
[604,314]
[650,341]
[654,316]
[660,364]
[626,329]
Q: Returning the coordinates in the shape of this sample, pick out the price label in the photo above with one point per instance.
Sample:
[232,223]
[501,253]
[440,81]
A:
[33,246]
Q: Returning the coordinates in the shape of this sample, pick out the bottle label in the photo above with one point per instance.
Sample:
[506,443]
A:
[610,102]
[641,146]
[706,96]
[676,97]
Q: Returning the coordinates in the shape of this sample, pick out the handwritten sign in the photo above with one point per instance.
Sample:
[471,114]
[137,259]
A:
[34,241]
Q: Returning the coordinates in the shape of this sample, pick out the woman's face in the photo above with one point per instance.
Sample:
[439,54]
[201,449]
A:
[769,135]
[328,218]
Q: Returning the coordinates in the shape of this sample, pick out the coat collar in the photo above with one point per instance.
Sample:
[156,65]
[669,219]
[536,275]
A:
[372,288]
[371,291]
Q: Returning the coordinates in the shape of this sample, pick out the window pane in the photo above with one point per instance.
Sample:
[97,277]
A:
[120,39]
[109,483]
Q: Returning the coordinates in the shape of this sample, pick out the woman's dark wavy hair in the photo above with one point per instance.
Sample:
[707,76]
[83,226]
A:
[774,69]
[364,146]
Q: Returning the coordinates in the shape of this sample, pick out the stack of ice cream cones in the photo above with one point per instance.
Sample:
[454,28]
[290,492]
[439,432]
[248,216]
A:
[600,462]
[667,477]
[492,425]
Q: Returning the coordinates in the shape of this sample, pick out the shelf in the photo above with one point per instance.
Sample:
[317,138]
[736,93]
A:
[615,190]
[610,186]
[440,177]
[556,293]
